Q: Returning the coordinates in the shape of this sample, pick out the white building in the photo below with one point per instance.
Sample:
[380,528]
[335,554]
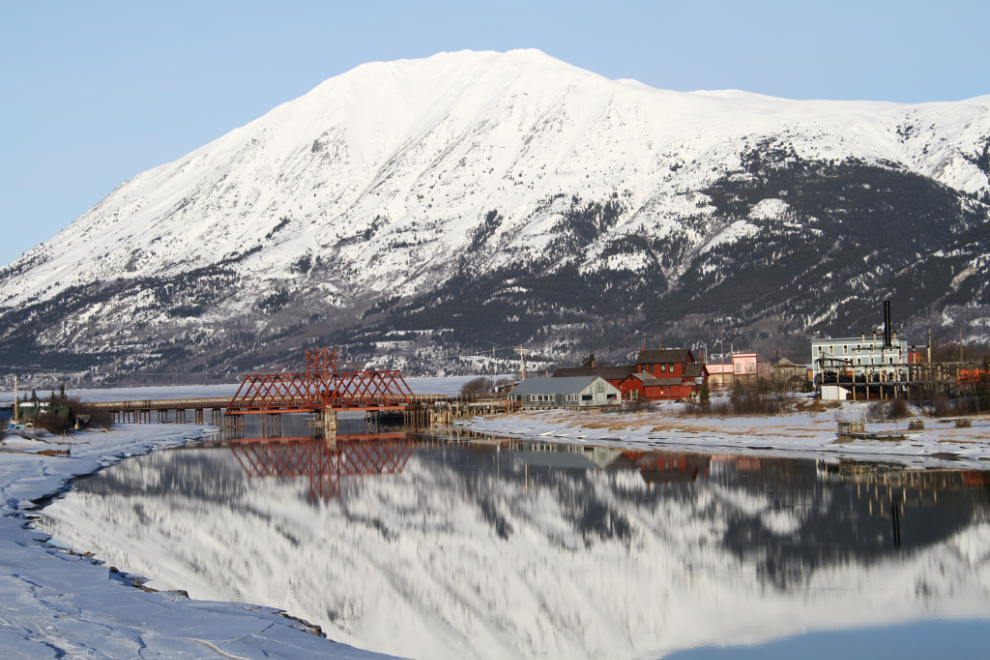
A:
[863,351]
[854,367]
[567,392]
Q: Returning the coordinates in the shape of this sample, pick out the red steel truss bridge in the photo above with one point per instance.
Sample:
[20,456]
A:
[325,463]
[324,382]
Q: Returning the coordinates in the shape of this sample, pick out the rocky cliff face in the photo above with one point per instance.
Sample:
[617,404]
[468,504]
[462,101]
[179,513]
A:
[414,209]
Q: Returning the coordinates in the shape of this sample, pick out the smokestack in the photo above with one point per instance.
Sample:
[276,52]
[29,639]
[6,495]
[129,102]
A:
[886,324]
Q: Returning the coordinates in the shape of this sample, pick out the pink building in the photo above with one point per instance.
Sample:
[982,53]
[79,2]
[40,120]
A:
[745,367]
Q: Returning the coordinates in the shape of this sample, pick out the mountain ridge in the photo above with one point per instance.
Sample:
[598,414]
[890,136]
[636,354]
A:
[392,179]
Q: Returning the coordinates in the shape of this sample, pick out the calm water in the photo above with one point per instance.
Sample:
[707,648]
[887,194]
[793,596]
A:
[415,546]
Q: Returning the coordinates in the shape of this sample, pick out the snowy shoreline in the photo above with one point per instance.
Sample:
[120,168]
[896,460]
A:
[795,435]
[55,602]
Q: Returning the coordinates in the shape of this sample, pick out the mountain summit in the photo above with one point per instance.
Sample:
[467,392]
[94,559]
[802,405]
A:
[409,209]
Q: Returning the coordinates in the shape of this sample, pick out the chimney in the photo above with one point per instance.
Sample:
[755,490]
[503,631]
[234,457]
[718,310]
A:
[592,363]
[886,324]
[660,347]
[643,347]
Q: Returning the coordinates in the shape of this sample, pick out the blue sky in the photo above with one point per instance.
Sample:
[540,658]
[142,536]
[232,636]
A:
[91,93]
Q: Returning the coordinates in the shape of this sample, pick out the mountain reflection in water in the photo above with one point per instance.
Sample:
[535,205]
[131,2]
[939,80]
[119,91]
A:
[428,549]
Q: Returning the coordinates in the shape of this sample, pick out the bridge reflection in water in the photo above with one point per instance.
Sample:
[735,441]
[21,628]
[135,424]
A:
[323,461]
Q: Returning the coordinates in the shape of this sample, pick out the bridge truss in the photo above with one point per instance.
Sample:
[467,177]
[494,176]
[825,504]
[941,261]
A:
[326,382]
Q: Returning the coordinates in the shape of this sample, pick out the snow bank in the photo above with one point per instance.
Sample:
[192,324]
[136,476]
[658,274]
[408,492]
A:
[811,435]
[55,603]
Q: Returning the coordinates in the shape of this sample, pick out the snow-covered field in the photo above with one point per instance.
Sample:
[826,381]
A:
[54,603]
[796,434]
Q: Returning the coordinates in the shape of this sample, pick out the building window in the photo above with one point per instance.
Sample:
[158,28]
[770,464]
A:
[663,367]
[845,349]
[831,349]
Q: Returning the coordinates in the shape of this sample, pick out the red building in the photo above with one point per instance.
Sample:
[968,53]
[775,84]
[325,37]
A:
[666,375]
[660,375]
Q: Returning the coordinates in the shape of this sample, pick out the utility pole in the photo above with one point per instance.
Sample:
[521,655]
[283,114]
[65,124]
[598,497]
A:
[959,368]
[16,405]
[522,350]
[732,361]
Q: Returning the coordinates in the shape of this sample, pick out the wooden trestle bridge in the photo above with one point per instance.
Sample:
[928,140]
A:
[321,386]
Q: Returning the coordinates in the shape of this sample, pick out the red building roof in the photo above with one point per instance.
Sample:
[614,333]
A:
[665,356]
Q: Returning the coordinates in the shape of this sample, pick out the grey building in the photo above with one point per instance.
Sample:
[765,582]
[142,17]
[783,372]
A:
[565,392]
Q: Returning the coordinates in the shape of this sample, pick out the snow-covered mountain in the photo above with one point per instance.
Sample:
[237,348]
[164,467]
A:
[420,205]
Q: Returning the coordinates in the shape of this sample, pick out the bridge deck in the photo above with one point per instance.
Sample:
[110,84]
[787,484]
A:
[286,405]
